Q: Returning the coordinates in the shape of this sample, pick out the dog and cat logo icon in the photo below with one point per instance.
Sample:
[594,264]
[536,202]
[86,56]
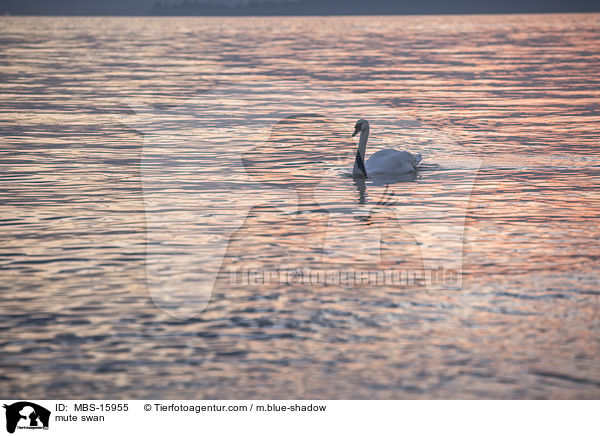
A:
[26,415]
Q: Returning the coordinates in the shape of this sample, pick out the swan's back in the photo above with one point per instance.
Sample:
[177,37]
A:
[391,161]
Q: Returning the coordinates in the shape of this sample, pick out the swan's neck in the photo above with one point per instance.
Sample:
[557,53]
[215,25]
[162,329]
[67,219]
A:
[359,169]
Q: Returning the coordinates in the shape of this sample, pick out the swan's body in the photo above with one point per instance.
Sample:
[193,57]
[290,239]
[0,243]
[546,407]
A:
[384,163]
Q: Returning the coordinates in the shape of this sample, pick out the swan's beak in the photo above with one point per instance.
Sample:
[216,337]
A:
[355,132]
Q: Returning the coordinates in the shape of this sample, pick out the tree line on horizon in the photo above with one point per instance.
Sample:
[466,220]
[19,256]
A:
[366,7]
[288,7]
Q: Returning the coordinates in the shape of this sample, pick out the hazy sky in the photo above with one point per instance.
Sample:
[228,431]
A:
[141,7]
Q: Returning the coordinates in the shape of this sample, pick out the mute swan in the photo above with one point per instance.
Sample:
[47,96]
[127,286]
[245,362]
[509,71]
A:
[384,163]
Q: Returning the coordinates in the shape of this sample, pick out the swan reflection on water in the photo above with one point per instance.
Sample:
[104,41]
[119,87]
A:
[361,183]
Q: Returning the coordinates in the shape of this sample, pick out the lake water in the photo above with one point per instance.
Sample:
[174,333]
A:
[121,200]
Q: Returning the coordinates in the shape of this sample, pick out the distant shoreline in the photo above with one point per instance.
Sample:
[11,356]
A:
[415,14]
[286,8]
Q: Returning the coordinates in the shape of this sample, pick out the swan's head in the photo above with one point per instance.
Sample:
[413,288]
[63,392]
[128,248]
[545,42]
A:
[360,126]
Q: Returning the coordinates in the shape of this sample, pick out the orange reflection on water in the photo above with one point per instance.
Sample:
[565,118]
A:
[519,92]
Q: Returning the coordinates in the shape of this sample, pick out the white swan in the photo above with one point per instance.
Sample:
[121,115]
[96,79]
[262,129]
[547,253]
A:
[384,163]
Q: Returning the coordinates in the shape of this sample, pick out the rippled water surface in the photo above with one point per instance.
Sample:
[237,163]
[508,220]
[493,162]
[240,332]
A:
[116,134]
